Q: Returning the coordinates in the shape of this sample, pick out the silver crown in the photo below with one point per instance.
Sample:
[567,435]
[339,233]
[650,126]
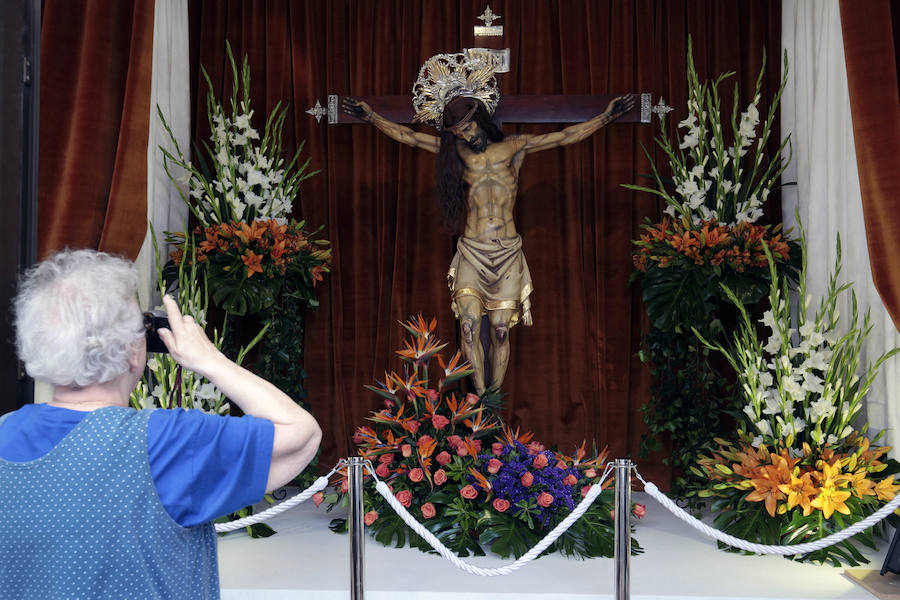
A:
[444,77]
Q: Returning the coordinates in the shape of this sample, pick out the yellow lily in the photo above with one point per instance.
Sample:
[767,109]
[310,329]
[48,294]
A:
[831,499]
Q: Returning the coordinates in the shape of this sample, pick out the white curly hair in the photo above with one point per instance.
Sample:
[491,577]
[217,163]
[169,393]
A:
[77,318]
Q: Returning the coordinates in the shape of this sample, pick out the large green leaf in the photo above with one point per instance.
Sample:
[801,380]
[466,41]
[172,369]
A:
[676,297]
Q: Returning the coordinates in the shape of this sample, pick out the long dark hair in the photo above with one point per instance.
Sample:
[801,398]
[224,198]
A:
[450,185]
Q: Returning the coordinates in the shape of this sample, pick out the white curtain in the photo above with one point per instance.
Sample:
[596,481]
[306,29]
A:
[170,91]
[815,110]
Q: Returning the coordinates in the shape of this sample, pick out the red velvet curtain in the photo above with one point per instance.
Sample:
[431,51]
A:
[870,48]
[96,59]
[575,375]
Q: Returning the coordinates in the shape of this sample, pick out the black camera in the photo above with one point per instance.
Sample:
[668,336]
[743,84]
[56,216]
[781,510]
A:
[152,324]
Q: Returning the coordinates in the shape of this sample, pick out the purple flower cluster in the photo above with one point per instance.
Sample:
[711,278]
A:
[547,476]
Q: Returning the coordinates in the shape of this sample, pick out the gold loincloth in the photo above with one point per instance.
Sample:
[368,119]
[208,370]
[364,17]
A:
[495,273]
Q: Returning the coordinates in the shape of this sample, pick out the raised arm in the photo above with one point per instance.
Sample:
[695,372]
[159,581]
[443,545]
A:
[575,133]
[297,434]
[395,131]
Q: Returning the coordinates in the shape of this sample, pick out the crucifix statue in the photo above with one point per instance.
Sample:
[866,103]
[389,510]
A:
[478,174]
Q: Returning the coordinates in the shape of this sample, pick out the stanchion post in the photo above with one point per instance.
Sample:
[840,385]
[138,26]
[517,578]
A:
[357,530]
[623,528]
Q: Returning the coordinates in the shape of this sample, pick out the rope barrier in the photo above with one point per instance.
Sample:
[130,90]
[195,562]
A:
[441,549]
[318,485]
[804,548]
[649,487]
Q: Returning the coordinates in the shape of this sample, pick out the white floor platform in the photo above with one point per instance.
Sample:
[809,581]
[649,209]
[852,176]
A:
[306,560]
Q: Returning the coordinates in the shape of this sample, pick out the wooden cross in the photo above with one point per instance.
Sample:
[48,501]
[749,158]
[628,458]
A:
[554,108]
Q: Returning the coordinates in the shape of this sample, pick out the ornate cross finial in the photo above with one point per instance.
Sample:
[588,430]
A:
[317,111]
[662,109]
[488,17]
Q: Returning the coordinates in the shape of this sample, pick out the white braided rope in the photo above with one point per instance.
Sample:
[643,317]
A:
[804,548]
[317,486]
[551,537]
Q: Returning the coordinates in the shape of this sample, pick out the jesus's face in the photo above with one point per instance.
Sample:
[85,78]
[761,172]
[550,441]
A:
[473,136]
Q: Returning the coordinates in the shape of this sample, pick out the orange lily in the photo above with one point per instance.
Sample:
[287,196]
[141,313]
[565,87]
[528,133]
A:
[253,262]
[766,484]
[799,491]
[886,489]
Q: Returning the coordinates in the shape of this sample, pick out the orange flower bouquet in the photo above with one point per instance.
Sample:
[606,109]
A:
[470,480]
[780,495]
[801,470]
[246,264]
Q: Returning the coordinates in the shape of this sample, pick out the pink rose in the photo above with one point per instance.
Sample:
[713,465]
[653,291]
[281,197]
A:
[494,465]
[453,441]
[440,477]
[527,479]
[590,473]
[382,470]
[370,517]
[540,461]
[462,450]
[535,447]
[468,492]
[570,479]
[424,440]
[406,450]
[497,448]
[404,497]
[439,421]
[475,444]
[416,475]
[472,398]
[585,490]
[386,458]
[318,498]
[357,437]
[412,427]
[428,510]
[501,505]
[640,511]
[433,395]
[345,486]
[545,499]
[443,458]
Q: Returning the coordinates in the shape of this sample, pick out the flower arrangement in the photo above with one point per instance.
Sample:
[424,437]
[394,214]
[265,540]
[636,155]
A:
[243,205]
[791,495]
[800,470]
[473,482]
[720,178]
[248,178]
[681,267]
[232,253]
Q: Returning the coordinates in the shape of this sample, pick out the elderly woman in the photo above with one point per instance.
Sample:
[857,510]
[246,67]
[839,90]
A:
[99,500]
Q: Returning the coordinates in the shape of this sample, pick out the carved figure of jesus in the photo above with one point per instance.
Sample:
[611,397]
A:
[478,176]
